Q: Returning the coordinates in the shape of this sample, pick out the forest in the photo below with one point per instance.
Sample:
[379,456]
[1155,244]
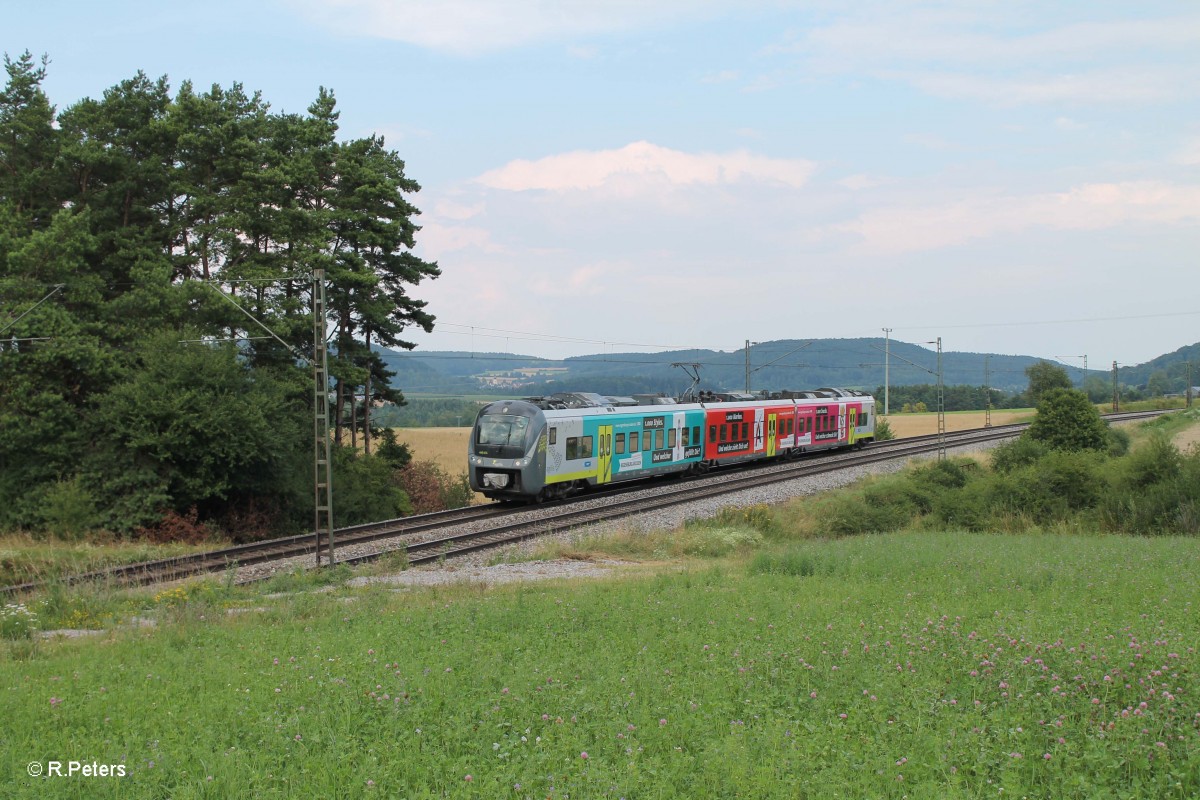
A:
[157,259]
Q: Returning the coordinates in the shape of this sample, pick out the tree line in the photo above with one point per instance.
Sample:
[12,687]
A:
[157,252]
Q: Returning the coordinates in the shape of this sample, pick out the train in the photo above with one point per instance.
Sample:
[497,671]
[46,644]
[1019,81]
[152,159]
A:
[547,448]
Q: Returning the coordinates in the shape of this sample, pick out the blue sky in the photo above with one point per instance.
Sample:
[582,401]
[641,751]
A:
[1015,177]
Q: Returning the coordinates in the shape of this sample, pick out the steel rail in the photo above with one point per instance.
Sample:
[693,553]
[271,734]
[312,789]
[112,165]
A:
[175,567]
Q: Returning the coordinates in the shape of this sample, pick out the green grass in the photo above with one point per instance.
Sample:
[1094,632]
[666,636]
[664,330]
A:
[918,665]
[26,558]
[1168,424]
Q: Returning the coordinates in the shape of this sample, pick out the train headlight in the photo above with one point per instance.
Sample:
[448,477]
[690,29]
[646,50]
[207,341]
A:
[520,462]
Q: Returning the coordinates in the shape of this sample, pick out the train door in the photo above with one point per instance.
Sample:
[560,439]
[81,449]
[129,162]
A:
[853,423]
[758,430]
[772,425]
[604,454]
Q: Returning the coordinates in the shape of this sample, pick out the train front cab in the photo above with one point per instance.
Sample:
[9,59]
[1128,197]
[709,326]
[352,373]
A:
[507,452]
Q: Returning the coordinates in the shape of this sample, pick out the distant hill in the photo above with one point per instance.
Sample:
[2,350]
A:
[782,364]
[1171,367]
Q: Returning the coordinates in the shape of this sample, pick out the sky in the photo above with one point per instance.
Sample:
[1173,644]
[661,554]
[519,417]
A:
[612,176]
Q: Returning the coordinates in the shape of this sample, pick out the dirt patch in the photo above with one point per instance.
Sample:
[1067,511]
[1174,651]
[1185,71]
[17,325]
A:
[498,573]
[1186,439]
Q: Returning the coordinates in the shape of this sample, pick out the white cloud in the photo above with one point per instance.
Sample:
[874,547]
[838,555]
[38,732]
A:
[881,34]
[438,239]
[478,26]
[450,209]
[1002,53]
[1088,207]
[859,182]
[1118,85]
[1190,153]
[645,163]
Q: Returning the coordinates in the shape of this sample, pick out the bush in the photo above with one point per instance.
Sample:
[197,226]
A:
[69,509]
[944,474]
[1118,442]
[757,517]
[1156,461]
[175,527]
[1076,478]
[1020,452]
[850,514]
[363,489]
[968,508]
[430,489]
[1158,492]
[883,431]
[1067,420]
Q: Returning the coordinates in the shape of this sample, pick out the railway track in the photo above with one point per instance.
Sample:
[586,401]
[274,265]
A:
[432,537]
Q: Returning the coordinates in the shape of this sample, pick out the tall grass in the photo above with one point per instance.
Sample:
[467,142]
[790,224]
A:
[918,664]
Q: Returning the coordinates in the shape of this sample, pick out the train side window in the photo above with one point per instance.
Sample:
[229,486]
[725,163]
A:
[712,433]
[723,427]
[686,436]
[745,430]
[658,439]
[696,435]
[866,420]
[646,440]
[572,448]
[620,449]
[585,447]
[633,442]
[553,435]
[671,438]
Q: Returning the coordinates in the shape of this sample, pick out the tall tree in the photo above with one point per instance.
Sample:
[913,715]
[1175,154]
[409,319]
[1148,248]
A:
[142,210]
[29,143]
[1043,377]
[372,265]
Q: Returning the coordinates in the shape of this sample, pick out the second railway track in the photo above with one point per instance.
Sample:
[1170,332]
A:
[432,537]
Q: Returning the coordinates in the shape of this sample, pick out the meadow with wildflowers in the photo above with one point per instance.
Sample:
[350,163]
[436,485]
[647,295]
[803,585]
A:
[902,665]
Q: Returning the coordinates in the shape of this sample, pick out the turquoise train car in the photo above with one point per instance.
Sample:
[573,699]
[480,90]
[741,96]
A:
[526,450]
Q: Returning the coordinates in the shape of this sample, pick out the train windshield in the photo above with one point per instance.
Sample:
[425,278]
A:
[502,430]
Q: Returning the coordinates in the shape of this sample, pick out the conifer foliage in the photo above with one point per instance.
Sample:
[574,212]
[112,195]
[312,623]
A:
[124,373]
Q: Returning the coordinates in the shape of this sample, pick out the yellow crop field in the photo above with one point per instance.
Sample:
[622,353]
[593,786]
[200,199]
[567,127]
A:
[446,447]
[904,425]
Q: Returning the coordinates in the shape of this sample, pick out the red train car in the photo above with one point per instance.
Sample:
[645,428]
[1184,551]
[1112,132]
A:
[748,430]
[741,431]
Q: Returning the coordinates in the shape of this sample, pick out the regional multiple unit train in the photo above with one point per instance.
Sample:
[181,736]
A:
[546,448]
